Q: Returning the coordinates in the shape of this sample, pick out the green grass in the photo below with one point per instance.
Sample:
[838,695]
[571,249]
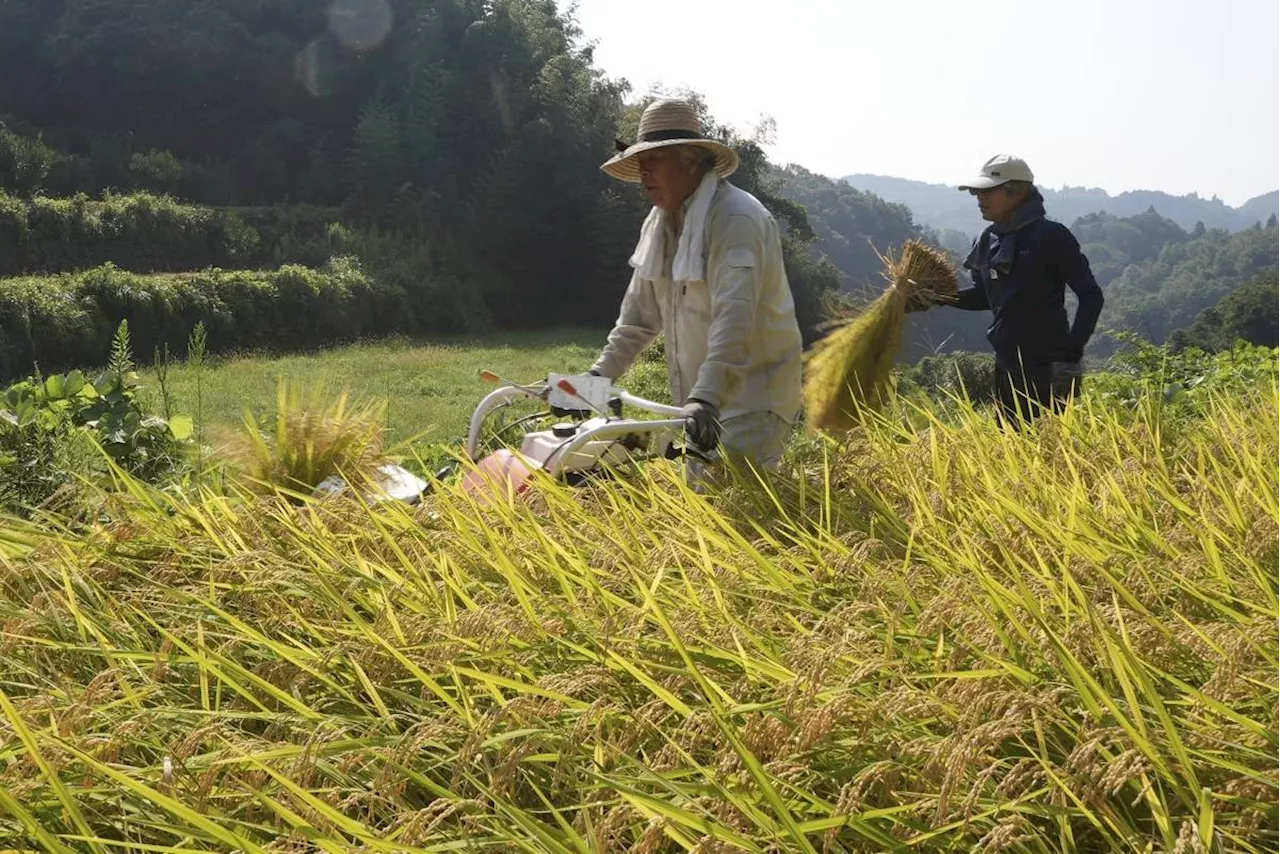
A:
[430,388]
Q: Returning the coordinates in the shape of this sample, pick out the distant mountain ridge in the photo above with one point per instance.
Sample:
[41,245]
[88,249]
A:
[942,207]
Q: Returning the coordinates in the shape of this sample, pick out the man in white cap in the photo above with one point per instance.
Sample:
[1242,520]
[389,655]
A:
[1020,266]
[708,276]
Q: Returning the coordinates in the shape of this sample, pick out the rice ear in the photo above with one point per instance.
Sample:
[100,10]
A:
[851,369]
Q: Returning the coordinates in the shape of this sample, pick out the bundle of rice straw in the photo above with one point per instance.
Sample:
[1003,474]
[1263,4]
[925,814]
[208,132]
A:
[851,369]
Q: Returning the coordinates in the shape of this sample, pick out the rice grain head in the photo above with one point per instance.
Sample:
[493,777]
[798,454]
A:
[851,370]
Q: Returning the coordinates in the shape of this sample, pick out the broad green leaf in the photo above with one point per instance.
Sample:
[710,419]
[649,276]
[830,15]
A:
[55,387]
[181,427]
[73,384]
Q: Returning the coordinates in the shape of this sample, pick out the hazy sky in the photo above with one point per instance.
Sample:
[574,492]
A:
[1170,95]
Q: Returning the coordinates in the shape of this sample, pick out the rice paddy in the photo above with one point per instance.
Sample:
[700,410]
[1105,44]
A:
[939,637]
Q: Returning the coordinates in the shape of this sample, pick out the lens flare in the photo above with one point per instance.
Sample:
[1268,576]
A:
[308,69]
[360,25]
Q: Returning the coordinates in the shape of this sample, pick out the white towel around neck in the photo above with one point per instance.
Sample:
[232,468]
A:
[689,265]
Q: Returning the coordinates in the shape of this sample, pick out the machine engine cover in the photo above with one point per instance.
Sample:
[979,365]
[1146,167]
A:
[503,473]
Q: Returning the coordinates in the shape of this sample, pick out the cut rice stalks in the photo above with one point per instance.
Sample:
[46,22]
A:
[850,371]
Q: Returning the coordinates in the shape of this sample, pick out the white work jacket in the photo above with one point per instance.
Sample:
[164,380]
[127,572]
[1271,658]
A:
[732,339]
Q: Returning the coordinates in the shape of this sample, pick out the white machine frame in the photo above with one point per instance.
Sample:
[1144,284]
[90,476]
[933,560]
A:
[593,439]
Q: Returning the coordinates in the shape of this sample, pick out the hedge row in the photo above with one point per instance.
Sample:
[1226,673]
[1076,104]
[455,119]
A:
[149,233]
[67,320]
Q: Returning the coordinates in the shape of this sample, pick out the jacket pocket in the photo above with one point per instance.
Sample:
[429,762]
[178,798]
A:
[695,300]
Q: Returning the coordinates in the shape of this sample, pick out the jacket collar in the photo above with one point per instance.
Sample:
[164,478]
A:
[980,256]
[1031,209]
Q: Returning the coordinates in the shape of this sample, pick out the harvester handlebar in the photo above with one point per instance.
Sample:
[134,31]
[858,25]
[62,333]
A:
[510,391]
[648,405]
[605,432]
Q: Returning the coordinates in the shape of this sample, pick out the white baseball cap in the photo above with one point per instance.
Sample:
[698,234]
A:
[1000,169]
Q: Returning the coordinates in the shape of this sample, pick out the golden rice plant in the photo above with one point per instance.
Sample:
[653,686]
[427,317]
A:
[851,369]
[1056,641]
[313,437]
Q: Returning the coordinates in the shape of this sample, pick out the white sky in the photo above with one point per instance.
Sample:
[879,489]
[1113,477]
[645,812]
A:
[1173,95]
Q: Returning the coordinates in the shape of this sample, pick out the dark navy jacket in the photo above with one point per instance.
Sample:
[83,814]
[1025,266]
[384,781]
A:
[1029,318]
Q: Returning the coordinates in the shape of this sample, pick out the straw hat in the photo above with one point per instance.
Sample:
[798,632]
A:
[668,121]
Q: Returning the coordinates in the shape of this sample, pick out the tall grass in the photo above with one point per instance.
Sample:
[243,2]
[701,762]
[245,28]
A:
[940,638]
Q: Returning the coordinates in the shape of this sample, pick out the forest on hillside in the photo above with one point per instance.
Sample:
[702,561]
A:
[449,151]
[942,207]
[1157,278]
[1165,293]
[364,167]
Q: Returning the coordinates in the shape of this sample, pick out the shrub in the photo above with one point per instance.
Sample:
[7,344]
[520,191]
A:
[297,234]
[67,320]
[25,161]
[39,466]
[156,171]
[1182,383]
[49,427]
[137,232]
[944,378]
[441,300]
[145,232]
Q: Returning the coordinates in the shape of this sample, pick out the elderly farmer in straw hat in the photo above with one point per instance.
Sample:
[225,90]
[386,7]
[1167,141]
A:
[708,275]
[1020,266]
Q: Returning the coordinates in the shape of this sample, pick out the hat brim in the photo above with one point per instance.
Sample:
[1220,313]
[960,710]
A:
[625,167]
[982,182]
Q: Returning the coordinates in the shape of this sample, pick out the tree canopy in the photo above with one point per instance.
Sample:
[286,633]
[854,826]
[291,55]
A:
[940,206]
[1248,313]
[1166,293]
[1113,243]
[850,225]
[469,133]
[460,142]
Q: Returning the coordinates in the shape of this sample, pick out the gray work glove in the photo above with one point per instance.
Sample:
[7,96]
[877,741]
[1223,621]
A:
[1064,378]
[702,424]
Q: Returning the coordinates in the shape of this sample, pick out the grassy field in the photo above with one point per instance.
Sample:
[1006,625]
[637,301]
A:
[937,638]
[431,388]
